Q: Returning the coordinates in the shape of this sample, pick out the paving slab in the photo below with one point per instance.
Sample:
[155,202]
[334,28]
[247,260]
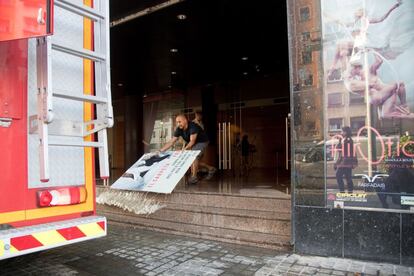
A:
[132,251]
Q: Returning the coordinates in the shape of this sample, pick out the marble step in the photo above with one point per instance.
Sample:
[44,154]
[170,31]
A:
[275,203]
[207,225]
[268,215]
[245,220]
[282,204]
[223,218]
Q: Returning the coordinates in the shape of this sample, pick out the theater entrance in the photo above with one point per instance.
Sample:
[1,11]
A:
[229,61]
[226,60]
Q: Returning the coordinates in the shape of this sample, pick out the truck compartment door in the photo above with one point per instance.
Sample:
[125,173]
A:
[25,19]
[13,125]
[13,76]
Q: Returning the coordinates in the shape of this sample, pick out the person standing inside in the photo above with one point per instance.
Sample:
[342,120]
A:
[346,160]
[245,151]
[195,139]
[199,119]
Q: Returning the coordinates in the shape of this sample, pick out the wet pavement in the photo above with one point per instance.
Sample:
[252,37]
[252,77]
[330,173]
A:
[130,251]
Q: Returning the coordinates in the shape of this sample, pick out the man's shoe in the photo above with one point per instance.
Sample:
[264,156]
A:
[192,180]
[211,173]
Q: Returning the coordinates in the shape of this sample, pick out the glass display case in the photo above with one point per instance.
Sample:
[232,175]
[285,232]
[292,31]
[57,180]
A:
[352,103]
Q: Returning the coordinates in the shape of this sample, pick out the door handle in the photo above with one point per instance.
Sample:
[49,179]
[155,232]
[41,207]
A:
[224,146]
[40,17]
[5,122]
[287,140]
[230,147]
[219,146]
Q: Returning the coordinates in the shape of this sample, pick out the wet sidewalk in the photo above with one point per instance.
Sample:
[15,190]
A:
[130,251]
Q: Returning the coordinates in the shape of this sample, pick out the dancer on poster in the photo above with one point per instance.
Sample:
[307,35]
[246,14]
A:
[385,96]
[359,36]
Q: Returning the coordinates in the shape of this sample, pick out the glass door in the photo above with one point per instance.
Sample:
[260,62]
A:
[253,148]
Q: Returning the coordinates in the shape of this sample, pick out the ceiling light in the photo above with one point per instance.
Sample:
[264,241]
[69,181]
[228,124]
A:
[245,58]
[245,73]
[173,73]
[120,84]
[182,17]
[173,50]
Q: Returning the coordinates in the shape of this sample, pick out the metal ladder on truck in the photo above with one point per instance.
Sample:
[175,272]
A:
[101,100]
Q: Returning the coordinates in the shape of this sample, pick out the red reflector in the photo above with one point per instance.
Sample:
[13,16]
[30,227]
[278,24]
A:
[44,198]
[102,224]
[62,196]
[71,233]
[25,242]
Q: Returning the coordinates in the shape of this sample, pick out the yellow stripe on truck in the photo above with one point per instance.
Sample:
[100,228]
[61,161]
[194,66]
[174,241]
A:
[1,248]
[7,217]
[91,229]
[49,237]
[88,80]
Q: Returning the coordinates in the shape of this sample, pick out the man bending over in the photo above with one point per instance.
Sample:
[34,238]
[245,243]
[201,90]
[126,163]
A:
[195,139]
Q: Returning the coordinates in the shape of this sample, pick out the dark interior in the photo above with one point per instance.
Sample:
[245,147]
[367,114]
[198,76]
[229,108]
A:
[223,52]
[211,42]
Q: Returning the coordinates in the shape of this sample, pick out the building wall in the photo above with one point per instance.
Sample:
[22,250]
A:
[305,78]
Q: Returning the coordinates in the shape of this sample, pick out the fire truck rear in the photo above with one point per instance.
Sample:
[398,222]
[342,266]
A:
[55,108]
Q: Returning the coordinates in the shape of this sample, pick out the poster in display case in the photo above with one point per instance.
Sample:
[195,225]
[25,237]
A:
[368,89]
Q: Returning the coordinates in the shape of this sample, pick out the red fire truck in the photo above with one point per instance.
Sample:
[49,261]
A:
[55,108]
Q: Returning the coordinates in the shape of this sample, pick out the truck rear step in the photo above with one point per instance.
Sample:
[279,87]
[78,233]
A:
[24,240]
